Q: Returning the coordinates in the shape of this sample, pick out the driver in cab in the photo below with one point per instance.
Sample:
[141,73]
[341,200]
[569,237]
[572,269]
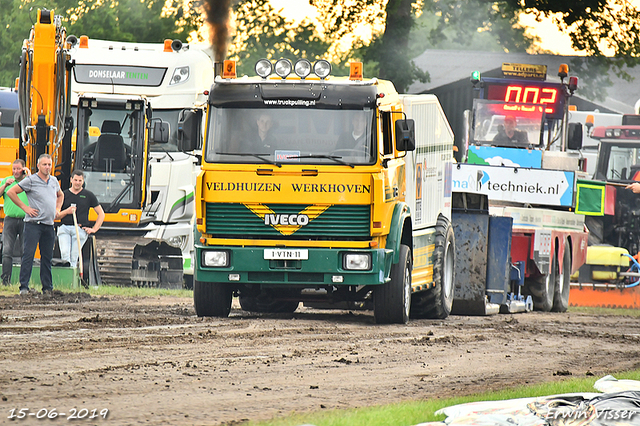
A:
[508,134]
[356,139]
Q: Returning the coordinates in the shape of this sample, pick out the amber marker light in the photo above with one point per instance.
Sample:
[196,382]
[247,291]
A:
[229,69]
[167,46]
[355,71]
[563,70]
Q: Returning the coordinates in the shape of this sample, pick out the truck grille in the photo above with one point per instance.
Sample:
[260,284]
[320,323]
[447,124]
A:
[338,222]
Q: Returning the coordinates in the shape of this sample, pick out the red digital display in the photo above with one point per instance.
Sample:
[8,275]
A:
[530,93]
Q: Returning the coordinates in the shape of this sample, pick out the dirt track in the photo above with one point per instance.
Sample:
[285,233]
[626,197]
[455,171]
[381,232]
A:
[152,361]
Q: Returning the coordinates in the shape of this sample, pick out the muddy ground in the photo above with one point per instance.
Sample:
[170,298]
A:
[151,361]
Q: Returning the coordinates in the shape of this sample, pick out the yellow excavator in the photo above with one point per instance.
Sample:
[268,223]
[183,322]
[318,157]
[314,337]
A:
[44,91]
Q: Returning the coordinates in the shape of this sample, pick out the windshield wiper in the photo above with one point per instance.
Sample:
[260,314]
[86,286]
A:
[335,158]
[246,154]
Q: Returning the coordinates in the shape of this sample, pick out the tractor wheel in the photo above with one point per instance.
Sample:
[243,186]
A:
[392,301]
[212,299]
[438,300]
[563,284]
[542,288]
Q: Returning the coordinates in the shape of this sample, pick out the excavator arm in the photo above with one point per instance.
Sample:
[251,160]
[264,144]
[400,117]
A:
[44,91]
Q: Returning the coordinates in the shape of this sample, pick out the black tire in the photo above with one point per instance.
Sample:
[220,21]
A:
[392,301]
[211,299]
[563,284]
[267,305]
[438,300]
[542,289]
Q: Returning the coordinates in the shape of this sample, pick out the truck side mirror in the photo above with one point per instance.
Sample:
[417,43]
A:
[159,132]
[574,136]
[405,135]
[189,124]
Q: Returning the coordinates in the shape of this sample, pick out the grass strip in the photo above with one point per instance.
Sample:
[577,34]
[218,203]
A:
[415,412]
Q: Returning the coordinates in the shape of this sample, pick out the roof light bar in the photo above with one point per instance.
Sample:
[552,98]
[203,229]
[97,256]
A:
[283,67]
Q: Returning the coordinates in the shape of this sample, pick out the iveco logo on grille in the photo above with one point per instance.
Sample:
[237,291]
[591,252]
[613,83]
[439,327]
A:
[286,219]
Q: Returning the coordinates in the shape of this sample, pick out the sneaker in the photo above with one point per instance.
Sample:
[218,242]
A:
[47,294]
[24,292]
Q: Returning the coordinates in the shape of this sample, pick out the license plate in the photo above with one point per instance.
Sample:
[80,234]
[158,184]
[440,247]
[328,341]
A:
[280,254]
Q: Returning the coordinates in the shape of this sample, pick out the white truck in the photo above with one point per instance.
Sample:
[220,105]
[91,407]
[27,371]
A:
[173,79]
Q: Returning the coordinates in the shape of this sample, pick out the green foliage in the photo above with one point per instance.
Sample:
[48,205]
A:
[128,20]
[470,25]
[144,21]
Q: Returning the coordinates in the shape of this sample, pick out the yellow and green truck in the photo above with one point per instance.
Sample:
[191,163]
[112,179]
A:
[343,196]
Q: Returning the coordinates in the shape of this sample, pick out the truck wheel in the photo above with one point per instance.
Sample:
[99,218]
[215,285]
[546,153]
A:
[267,305]
[438,301]
[542,289]
[211,299]
[392,301]
[563,284]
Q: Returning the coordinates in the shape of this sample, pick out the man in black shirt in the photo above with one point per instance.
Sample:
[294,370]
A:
[79,200]
[509,135]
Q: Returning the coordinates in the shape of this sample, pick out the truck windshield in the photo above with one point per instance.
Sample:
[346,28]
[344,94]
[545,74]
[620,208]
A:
[291,135]
[507,125]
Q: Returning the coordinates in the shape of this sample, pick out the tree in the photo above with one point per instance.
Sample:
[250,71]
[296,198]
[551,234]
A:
[263,33]
[593,25]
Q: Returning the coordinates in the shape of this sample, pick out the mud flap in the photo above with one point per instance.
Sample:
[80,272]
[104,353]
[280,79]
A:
[471,230]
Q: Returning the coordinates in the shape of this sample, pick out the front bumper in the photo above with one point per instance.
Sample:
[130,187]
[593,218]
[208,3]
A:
[247,265]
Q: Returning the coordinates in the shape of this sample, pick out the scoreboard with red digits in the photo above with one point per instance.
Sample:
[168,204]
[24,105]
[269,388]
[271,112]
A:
[551,95]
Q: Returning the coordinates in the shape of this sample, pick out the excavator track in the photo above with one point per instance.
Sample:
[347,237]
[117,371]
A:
[115,255]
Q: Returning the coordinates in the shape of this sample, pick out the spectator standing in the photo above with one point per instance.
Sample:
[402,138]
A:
[12,238]
[45,201]
[79,200]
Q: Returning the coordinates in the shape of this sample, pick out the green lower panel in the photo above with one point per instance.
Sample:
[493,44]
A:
[60,276]
[322,265]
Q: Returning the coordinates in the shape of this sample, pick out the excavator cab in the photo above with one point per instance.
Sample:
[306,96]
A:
[114,159]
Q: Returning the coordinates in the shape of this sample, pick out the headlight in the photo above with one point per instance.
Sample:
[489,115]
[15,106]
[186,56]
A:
[357,261]
[215,259]
[263,68]
[179,241]
[180,75]
[302,68]
[322,68]
[283,67]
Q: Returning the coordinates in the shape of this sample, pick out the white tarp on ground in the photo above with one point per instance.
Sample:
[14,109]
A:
[617,405]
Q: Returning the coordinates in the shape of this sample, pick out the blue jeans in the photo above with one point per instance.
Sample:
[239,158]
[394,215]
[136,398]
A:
[69,243]
[45,236]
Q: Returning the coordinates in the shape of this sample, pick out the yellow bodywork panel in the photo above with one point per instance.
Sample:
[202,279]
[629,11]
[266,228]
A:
[605,255]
